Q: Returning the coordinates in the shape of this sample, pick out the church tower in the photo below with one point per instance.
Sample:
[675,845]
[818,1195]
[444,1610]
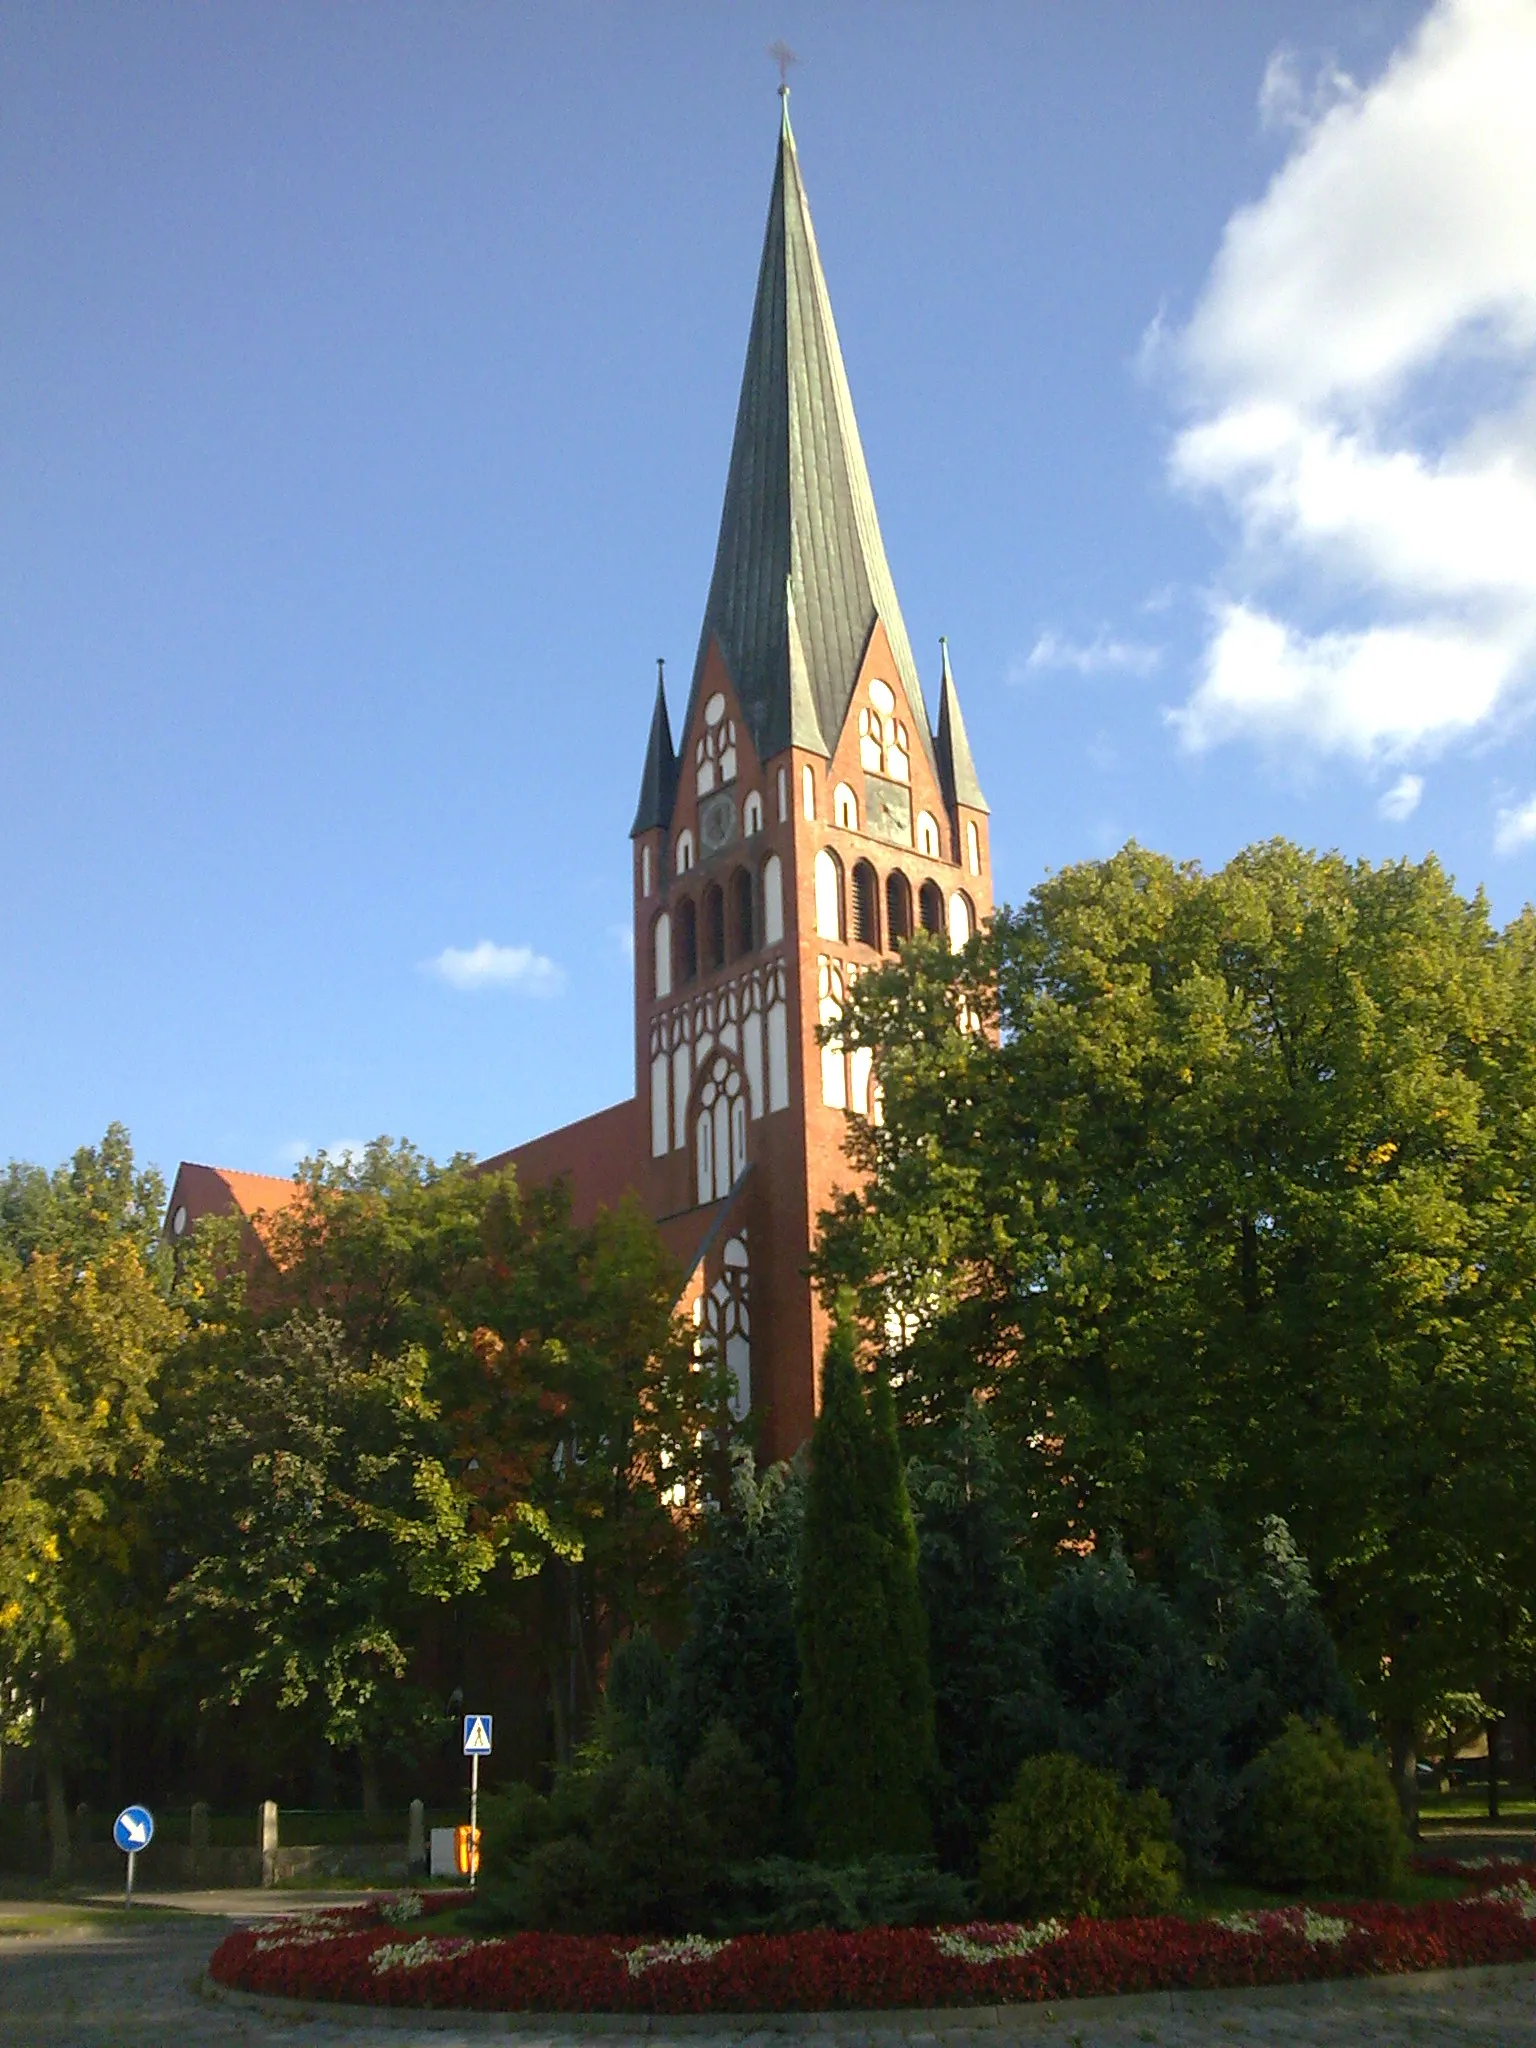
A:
[807,820]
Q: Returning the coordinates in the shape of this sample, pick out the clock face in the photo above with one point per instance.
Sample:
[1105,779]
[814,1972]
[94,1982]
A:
[717,822]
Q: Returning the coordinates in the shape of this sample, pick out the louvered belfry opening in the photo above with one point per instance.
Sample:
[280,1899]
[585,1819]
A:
[743,933]
[714,928]
[930,907]
[687,940]
[898,908]
[866,906]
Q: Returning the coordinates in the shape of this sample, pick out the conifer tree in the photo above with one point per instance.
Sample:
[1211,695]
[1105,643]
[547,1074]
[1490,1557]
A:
[864,1741]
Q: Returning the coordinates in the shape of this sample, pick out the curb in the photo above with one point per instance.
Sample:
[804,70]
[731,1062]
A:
[852,2024]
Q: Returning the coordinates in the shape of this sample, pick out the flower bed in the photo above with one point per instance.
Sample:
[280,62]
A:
[359,1956]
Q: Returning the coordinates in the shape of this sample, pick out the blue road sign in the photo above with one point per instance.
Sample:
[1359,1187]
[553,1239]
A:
[133,1829]
[477,1734]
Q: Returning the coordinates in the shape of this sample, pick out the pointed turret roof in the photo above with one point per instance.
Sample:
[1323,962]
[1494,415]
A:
[957,771]
[800,570]
[658,784]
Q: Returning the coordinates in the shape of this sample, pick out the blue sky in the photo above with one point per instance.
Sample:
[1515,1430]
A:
[367,376]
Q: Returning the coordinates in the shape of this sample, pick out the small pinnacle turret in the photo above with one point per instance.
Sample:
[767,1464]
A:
[658,784]
[957,771]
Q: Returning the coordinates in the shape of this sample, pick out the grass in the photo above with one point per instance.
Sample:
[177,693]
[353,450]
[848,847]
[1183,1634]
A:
[1219,1895]
[42,1917]
[1472,1805]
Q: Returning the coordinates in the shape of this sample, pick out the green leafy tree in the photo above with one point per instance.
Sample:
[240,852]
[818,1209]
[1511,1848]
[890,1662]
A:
[864,1740]
[1217,1187]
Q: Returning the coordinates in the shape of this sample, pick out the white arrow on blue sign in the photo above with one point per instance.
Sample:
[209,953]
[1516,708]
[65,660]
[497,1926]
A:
[477,1734]
[133,1829]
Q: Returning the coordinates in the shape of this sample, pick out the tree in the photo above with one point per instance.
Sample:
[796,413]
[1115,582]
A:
[864,1741]
[1218,1187]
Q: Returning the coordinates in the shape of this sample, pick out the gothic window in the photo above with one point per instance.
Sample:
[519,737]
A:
[829,895]
[661,957]
[752,815]
[687,941]
[728,1318]
[773,900]
[973,847]
[898,909]
[845,808]
[720,1128]
[930,907]
[645,871]
[684,852]
[962,920]
[866,905]
[928,835]
[885,745]
[783,796]
[713,934]
[714,755]
[743,936]
[808,792]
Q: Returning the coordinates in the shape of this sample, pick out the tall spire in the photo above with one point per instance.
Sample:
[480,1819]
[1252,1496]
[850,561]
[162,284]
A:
[658,784]
[800,571]
[957,771]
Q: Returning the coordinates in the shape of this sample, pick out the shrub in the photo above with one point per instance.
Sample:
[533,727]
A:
[1317,1813]
[1069,1840]
[780,1896]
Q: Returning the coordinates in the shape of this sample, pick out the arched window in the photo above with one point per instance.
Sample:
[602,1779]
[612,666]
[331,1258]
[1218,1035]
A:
[930,907]
[661,957]
[866,906]
[752,815]
[808,792]
[720,1128]
[684,852]
[773,900]
[783,796]
[973,847]
[645,871]
[962,920]
[898,909]
[845,808]
[713,934]
[742,935]
[928,835]
[829,895]
[727,1315]
[687,943]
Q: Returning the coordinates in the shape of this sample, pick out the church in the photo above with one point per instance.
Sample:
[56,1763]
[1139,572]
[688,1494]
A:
[806,818]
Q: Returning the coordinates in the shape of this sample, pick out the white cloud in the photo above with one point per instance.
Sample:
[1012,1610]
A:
[1099,656]
[488,965]
[1516,827]
[1361,377]
[1402,799]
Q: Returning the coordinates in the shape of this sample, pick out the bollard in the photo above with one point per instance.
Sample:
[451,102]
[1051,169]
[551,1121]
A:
[267,1840]
[416,1840]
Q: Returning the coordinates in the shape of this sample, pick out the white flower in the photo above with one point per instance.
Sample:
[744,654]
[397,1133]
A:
[984,1942]
[1521,1896]
[693,1948]
[415,1954]
[1321,1929]
[397,1911]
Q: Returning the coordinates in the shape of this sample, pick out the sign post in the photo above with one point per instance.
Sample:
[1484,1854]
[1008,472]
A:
[133,1830]
[477,1743]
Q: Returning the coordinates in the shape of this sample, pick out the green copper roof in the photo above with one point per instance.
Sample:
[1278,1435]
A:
[957,771]
[658,784]
[800,569]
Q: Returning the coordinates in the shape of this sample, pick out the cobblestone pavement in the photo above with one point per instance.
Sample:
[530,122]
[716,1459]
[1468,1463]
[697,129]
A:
[85,1986]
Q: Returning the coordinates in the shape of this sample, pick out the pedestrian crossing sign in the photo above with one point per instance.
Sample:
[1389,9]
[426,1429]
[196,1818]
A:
[477,1734]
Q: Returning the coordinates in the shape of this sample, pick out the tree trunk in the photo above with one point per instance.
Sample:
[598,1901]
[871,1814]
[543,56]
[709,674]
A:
[1491,1732]
[1405,1770]
[58,1818]
[368,1769]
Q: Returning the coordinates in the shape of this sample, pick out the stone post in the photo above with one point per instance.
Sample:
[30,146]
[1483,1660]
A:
[266,1838]
[198,1836]
[416,1840]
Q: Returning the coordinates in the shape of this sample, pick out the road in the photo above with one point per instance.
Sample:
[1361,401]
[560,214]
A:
[86,1978]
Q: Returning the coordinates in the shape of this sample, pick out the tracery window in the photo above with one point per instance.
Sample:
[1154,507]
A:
[728,1318]
[720,1128]
[885,746]
[714,754]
